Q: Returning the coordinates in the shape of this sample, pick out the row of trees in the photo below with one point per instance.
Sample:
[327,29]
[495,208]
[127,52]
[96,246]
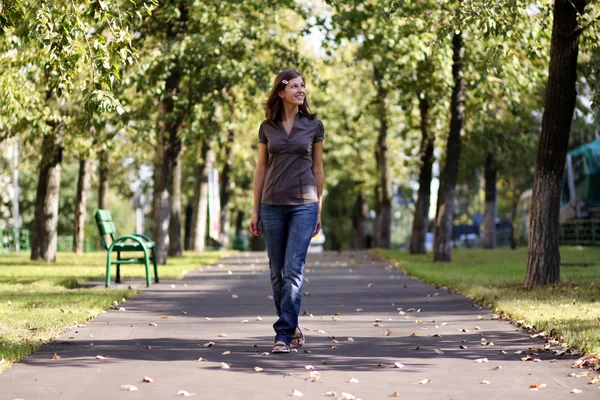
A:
[175,87]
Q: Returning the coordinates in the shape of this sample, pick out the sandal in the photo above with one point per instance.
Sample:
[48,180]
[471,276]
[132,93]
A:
[298,340]
[280,347]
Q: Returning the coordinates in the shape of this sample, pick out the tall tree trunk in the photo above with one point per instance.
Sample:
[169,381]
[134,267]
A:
[45,223]
[421,218]
[103,185]
[442,250]
[175,249]
[225,190]
[513,212]
[490,172]
[384,213]
[166,147]
[543,262]
[80,203]
[200,204]
[359,222]
[239,224]
[187,237]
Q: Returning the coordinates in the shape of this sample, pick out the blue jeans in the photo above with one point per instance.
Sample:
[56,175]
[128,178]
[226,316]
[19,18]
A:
[288,231]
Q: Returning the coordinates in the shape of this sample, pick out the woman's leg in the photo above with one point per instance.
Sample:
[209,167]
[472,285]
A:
[302,220]
[274,226]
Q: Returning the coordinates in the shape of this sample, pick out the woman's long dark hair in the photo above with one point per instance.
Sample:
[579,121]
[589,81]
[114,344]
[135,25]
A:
[274,104]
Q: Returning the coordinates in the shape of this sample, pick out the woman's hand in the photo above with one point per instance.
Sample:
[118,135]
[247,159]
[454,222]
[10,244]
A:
[254,228]
[318,227]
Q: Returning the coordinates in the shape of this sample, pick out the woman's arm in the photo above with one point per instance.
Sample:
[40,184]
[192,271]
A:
[319,174]
[259,181]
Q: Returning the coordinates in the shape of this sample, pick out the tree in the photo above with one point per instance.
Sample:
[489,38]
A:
[543,262]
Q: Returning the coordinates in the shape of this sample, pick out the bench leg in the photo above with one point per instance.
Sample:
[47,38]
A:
[118,277]
[147,265]
[155,265]
[108,269]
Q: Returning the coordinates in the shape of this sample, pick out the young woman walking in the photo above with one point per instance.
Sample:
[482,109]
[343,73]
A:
[288,188]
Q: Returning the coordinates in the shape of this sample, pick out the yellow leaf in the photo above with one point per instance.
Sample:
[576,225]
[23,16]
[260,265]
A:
[164,316]
[414,334]
[258,369]
[55,356]
[395,394]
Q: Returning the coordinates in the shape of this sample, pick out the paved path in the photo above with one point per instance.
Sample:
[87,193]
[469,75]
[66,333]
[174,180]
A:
[353,328]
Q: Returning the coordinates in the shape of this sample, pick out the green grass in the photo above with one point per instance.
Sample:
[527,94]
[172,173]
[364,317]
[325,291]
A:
[570,310]
[39,301]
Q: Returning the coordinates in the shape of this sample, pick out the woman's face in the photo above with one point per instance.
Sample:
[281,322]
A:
[294,92]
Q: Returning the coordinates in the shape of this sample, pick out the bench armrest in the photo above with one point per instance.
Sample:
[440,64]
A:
[124,238]
[146,238]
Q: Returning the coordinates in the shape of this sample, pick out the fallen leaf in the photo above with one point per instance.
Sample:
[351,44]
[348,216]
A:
[259,318]
[184,312]
[209,344]
[418,321]
[357,310]
[398,365]
[297,393]
[388,332]
[147,379]
[266,353]
[258,369]
[245,321]
[537,386]
[481,360]
[164,316]
[576,391]
[99,357]
[309,367]
[55,356]
[416,348]
[222,335]
[131,388]
[444,323]
[208,319]
[436,335]
[395,394]
[370,285]
[200,359]
[353,380]
[414,334]
[350,339]
[347,396]
[226,353]
[479,317]
[424,381]
[330,394]
[595,380]
[234,296]
[153,324]
[437,350]
[485,382]
[497,367]
[462,347]
[185,394]
[224,366]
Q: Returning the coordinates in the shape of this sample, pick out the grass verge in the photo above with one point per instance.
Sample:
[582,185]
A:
[570,310]
[39,301]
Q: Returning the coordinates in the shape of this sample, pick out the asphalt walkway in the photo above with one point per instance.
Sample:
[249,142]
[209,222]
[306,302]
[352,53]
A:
[372,333]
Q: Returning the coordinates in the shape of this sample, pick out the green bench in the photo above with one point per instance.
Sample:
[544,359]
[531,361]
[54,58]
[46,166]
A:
[126,243]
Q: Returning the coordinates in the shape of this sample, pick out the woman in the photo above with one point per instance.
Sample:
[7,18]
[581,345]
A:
[288,188]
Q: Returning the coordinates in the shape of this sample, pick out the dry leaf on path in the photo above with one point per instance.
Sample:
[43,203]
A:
[200,359]
[226,353]
[185,394]
[485,382]
[497,367]
[595,380]
[437,350]
[353,380]
[537,386]
[147,379]
[395,394]
[347,396]
[258,369]
[297,393]
[209,344]
[481,360]
[99,357]
[576,391]
[398,365]
[424,381]
[222,335]
[388,332]
[309,367]
[330,394]
[224,365]
[152,324]
[350,339]
[414,334]
[131,388]
[55,356]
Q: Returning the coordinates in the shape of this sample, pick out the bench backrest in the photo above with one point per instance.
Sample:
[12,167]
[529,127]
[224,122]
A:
[106,227]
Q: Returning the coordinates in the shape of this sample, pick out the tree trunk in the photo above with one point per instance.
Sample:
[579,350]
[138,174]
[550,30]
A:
[513,213]
[200,204]
[442,250]
[543,262]
[189,210]
[384,213]
[359,222]
[175,249]
[45,223]
[490,173]
[80,203]
[103,185]
[168,144]
[421,218]
[225,190]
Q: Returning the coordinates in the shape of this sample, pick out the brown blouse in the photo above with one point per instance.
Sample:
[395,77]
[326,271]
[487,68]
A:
[289,179]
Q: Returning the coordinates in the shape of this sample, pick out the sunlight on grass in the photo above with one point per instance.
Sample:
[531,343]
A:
[495,277]
[39,301]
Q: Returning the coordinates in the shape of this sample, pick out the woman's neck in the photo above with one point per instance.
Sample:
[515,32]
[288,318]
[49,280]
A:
[289,112]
